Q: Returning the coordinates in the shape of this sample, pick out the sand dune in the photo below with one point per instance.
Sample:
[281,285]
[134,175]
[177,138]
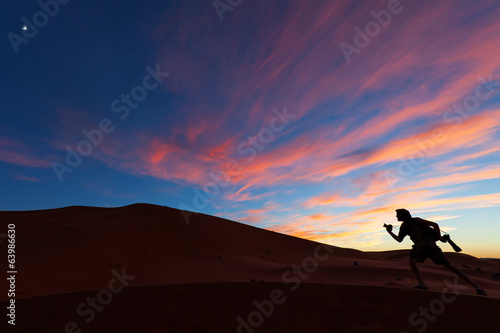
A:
[203,276]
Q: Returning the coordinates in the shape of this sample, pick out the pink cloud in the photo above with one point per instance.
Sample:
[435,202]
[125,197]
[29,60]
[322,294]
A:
[399,52]
[21,176]
[16,152]
[305,75]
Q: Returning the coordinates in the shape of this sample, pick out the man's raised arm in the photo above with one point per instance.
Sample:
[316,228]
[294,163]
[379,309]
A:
[399,238]
[434,226]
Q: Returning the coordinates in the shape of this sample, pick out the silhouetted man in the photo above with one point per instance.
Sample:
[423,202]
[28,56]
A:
[424,235]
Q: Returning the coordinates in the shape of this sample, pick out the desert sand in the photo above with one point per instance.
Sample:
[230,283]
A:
[142,268]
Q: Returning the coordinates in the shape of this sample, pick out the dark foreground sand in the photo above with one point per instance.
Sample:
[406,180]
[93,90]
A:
[142,268]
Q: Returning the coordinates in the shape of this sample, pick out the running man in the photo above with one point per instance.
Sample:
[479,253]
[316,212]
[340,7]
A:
[424,235]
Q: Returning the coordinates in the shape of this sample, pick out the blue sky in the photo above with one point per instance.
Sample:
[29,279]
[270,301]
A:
[316,121]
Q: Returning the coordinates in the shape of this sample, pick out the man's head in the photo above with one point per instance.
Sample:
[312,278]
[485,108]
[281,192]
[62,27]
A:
[403,214]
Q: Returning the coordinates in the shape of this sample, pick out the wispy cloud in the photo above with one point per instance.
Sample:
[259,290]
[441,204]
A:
[17,152]
[21,176]
[355,121]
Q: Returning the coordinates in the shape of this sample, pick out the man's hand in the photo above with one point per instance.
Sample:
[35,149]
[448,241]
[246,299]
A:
[398,238]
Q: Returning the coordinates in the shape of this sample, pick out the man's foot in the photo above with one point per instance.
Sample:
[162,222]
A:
[481,291]
[423,287]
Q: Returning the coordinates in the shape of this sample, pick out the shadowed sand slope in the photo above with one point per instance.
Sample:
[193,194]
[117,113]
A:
[246,307]
[202,275]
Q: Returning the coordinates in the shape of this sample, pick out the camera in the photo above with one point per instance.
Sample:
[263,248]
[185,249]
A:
[448,240]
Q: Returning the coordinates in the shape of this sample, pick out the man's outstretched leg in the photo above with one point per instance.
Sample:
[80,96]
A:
[416,271]
[466,278]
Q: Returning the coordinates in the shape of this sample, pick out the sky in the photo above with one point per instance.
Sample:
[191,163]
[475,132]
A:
[313,119]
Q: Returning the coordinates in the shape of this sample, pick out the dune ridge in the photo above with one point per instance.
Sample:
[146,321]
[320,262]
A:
[68,254]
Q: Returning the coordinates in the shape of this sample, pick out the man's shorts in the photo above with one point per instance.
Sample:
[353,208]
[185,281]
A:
[424,252]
